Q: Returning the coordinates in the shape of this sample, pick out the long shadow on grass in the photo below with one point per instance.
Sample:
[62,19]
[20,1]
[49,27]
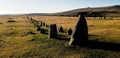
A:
[63,37]
[101,45]
[96,44]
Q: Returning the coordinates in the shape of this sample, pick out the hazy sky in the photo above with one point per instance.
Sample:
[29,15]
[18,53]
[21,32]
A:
[49,6]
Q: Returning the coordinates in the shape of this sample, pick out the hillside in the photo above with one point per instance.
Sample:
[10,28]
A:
[107,10]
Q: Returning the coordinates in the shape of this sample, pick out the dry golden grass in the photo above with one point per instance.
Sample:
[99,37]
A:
[14,45]
[66,22]
[106,28]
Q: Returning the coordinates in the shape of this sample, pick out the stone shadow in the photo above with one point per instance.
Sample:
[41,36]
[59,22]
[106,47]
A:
[63,37]
[101,45]
[95,44]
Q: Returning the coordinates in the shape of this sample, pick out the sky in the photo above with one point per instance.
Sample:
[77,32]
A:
[49,6]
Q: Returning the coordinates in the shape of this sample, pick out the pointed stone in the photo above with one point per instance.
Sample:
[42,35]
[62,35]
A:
[61,29]
[80,34]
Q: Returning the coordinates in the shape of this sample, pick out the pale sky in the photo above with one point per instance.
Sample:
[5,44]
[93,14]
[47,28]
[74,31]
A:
[49,6]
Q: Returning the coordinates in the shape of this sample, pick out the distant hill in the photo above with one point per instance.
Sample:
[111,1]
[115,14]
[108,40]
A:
[109,11]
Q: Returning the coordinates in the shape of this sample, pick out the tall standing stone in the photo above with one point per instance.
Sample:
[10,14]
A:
[80,34]
[52,31]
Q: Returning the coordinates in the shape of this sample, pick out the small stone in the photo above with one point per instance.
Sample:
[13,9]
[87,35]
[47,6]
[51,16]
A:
[61,29]
[69,31]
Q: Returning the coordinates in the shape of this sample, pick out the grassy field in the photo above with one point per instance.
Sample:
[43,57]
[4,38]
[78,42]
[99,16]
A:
[15,43]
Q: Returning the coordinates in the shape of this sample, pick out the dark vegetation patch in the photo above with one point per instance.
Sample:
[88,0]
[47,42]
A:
[11,20]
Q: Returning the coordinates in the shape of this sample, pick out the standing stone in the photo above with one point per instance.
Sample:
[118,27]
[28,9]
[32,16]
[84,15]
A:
[35,24]
[61,29]
[69,31]
[42,31]
[80,34]
[43,24]
[52,31]
[31,19]
[46,25]
[38,28]
[40,23]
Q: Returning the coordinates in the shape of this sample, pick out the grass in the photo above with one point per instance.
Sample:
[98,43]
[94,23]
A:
[14,45]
